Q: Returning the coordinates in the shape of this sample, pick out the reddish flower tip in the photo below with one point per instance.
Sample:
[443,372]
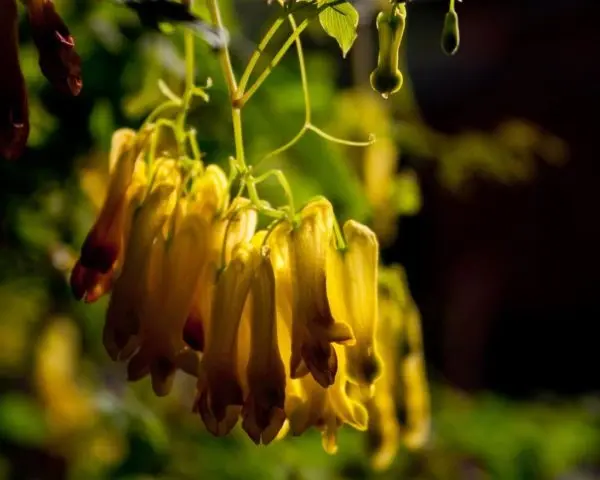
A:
[59,61]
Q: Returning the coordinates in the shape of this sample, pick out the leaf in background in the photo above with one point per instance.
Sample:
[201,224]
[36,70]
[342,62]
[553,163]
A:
[340,22]
[407,193]
[21,420]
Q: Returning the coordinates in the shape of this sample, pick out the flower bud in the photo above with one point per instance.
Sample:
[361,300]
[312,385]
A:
[14,117]
[450,33]
[387,78]
[58,59]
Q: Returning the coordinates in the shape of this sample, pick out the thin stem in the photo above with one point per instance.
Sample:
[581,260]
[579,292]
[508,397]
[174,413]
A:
[303,75]
[282,51]
[283,182]
[159,110]
[285,147]
[341,141]
[452,5]
[256,55]
[224,56]
[258,203]
[339,236]
[236,114]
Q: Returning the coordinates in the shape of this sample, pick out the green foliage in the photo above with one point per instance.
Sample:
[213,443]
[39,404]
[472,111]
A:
[340,22]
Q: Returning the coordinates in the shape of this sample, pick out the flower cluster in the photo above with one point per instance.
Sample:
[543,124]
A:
[279,326]
[57,59]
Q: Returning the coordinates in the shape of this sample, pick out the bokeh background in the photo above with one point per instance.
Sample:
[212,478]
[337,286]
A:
[492,161]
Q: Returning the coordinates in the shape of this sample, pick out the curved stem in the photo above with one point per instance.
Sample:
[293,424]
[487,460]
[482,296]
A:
[285,147]
[283,182]
[341,141]
[303,75]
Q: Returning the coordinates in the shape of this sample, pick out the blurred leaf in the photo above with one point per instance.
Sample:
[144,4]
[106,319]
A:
[407,193]
[22,420]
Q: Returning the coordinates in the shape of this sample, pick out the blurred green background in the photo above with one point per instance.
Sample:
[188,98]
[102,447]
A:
[477,189]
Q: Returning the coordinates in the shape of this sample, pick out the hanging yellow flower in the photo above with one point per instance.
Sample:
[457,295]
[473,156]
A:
[352,292]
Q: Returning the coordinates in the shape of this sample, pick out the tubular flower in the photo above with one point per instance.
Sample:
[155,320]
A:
[263,411]
[211,201]
[384,435]
[403,383]
[279,327]
[220,397]
[59,61]
[352,293]
[132,287]
[327,409]
[414,383]
[102,252]
[14,117]
[313,326]
[174,268]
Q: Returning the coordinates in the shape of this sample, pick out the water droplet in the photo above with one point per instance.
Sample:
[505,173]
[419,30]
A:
[385,95]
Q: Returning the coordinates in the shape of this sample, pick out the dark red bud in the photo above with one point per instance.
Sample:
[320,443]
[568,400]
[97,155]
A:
[59,61]
[14,117]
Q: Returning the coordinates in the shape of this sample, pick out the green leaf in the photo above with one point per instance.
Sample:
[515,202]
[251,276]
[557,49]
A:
[340,22]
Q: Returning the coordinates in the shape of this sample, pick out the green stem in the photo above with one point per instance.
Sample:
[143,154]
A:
[341,242]
[226,66]
[257,53]
[341,141]
[283,182]
[282,51]
[258,203]
[452,5]
[303,75]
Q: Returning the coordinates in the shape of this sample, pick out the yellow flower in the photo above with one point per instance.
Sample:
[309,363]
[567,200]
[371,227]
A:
[384,435]
[263,413]
[220,397]
[326,408]
[414,381]
[313,326]
[105,240]
[175,266]
[131,287]
[352,293]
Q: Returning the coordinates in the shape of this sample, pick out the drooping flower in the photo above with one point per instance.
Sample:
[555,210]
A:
[102,253]
[327,409]
[14,116]
[352,293]
[313,327]
[58,59]
[263,412]
[175,266]
[132,287]
[220,397]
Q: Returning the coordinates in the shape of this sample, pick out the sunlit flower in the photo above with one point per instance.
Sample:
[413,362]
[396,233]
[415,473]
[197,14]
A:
[220,397]
[280,327]
[59,61]
[14,117]
[352,292]
[263,411]
[313,327]
[132,287]
[403,382]
[327,409]
[102,253]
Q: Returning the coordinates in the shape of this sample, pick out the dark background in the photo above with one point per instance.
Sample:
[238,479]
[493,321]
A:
[507,277]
